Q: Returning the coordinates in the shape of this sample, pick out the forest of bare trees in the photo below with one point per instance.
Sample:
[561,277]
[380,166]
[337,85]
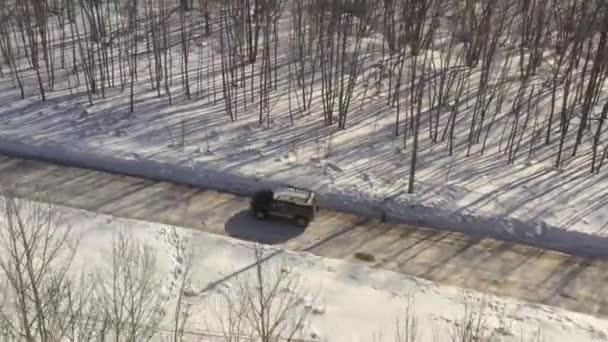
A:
[480,76]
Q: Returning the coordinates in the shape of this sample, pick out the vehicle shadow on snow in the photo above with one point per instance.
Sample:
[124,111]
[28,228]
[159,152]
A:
[244,226]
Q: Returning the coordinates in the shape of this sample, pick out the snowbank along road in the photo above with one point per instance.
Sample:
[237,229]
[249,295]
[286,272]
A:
[485,265]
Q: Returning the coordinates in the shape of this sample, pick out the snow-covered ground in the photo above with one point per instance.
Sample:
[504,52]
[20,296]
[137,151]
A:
[363,169]
[348,302]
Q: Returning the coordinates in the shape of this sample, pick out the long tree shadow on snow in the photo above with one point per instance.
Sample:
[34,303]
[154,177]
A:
[271,231]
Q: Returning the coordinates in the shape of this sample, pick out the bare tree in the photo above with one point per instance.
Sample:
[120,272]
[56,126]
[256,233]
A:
[270,13]
[340,53]
[6,46]
[471,325]
[267,305]
[463,80]
[181,314]
[130,291]
[185,49]
[306,53]
[534,16]
[407,327]
[597,77]
[155,11]
[43,299]
[566,112]
[442,84]
[485,97]
[597,136]
[28,26]
[231,55]
[416,100]
[35,255]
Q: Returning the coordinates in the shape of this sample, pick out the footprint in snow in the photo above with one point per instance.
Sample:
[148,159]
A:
[120,133]
[597,333]
[318,311]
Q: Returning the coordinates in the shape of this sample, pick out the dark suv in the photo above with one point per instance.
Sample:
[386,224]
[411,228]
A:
[287,202]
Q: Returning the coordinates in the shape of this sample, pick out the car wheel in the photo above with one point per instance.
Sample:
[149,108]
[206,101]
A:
[302,222]
[260,214]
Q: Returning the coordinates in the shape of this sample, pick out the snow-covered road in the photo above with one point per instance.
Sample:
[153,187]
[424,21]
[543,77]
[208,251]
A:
[484,265]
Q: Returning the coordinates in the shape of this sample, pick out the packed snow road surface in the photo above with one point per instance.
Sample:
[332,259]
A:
[485,265]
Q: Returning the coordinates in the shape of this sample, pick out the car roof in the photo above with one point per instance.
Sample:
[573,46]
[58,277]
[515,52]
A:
[294,195]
